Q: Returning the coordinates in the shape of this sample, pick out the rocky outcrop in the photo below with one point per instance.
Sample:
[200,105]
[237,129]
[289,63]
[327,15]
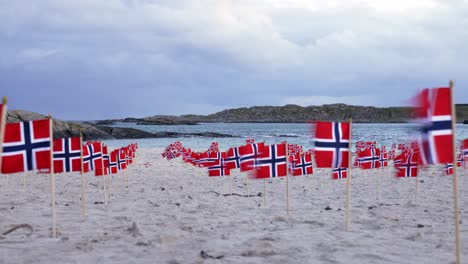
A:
[166,120]
[131,133]
[122,133]
[89,131]
[61,128]
[152,120]
[297,114]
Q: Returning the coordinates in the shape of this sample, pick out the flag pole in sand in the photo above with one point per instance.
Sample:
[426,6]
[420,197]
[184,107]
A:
[348,177]
[247,184]
[2,129]
[126,178]
[103,176]
[378,173]
[416,188]
[116,178]
[83,183]
[230,181]
[52,177]
[455,180]
[107,173]
[287,178]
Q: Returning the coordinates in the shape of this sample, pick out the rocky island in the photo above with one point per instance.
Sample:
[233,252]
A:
[106,129]
[291,114]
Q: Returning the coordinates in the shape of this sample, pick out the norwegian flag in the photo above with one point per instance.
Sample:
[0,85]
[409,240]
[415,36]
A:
[449,166]
[169,152]
[121,159]
[190,156]
[177,146]
[360,145]
[339,173]
[302,164]
[207,158]
[465,150]
[232,160]
[271,162]
[129,155]
[213,147]
[357,163]
[414,146]
[448,169]
[186,154]
[218,168]
[92,156]
[195,157]
[383,157]
[105,163]
[407,164]
[248,154]
[133,147]
[402,146]
[460,160]
[113,157]
[331,144]
[371,144]
[369,158]
[434,109]
[67,154]
[250,141]
[294,149]
[27,146]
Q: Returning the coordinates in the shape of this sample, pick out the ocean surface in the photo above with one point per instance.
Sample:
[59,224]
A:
[384,134]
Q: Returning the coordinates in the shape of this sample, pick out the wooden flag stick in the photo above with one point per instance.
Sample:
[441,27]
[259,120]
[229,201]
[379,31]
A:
[416,189]
[264,191]
[117,185]
[103,176]
[287,191]
[378,182]
[287,179]
[52,178]
[455,180]
[348,178]
[109,184]
[247,184]
[108,174]
[230,184]
[126,178]
[2,129]
[83,183]
[379,171]
[24,182]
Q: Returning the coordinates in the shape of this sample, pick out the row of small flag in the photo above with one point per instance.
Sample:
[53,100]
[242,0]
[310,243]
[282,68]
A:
[258,157]
[29,146]
[435,145]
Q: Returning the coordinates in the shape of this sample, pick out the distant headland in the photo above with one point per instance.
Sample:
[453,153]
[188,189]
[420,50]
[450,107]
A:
[106,129]
[290,114]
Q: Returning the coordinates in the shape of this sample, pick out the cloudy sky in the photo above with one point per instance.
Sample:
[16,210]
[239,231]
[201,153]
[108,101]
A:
[95,59]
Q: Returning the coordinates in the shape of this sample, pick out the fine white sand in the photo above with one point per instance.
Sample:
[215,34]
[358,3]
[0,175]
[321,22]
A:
[171,214]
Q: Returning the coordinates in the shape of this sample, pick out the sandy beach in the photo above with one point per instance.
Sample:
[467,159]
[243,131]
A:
[173,213]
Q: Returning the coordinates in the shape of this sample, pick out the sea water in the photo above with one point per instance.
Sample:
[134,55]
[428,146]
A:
[271,133]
